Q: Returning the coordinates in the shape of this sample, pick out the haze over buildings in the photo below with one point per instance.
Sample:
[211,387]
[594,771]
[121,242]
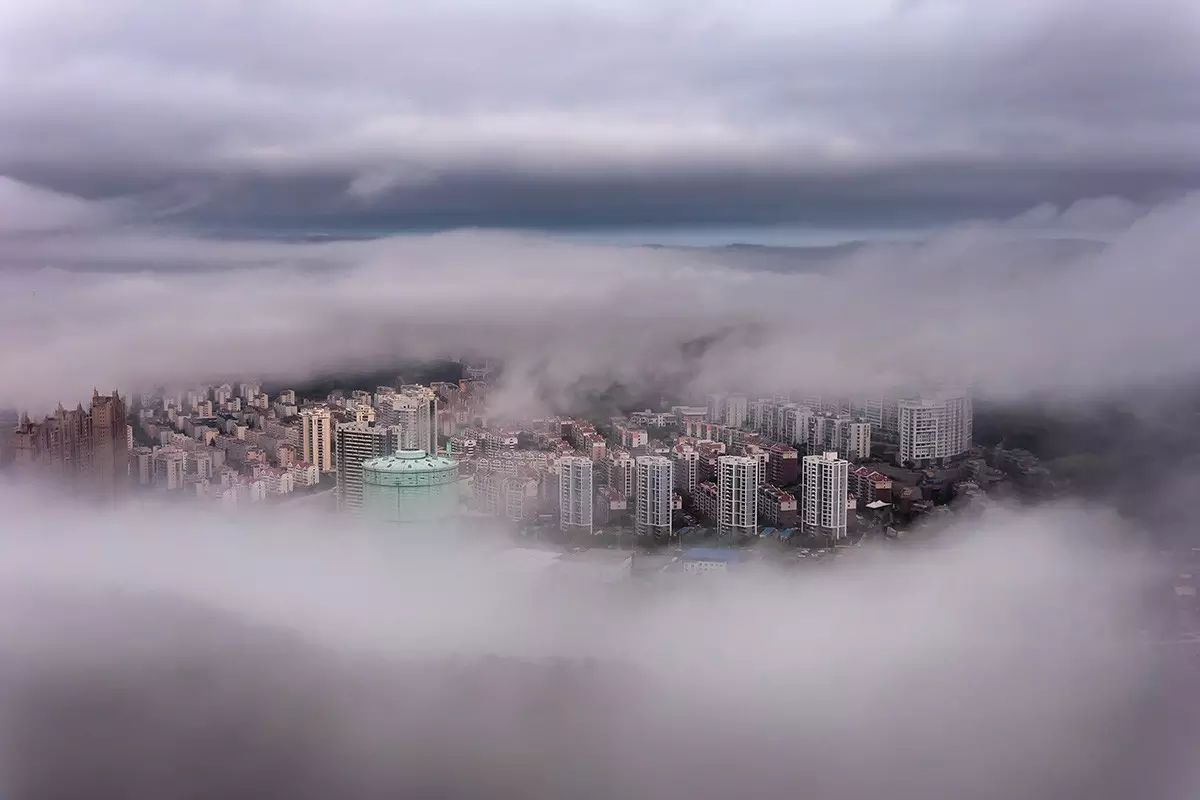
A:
[641,399]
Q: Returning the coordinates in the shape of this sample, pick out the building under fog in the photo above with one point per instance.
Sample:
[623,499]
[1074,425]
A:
[85,449]
[934,428]
[575,493]
[414,411]
[410,486]
[357,443]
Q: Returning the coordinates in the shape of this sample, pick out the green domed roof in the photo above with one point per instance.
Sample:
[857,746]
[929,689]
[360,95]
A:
[410,461]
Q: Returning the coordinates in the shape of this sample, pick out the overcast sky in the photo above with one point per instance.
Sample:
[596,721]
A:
[383,115]
[135,130]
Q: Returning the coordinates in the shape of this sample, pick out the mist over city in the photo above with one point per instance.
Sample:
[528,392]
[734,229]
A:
[595,400]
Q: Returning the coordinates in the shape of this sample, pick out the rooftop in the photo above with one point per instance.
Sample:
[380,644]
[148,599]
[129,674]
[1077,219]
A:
[410,461]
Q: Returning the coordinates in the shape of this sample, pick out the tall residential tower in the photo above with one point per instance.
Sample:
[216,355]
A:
[824,494]
[737,485]
[575,493]
[934,428]
[655,488]
[358,442]
[316,438]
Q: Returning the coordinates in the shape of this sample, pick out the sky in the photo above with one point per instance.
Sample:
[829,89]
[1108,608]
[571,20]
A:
[372,115]
[967,190]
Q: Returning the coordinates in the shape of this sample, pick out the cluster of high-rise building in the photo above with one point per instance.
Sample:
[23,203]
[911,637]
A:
[86,449]
[413,452]
[231,444]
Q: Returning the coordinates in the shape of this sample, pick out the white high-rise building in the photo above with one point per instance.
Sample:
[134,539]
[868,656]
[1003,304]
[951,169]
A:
[358,442]
[316,438]
[686,462]
[655,486]
[575,493]
[737,411]
[934,428]
[825,485]
[737,486]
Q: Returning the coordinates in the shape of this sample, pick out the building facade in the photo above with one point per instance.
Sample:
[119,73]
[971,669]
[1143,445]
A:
[316,438]
[686,461]
[170,465]
[575,492]
[737,411]
[87,450]
[854,441]
[620,473]
[410,487]
[655,487]
[776,507]
[737,483]
[358,442]
[826,480]
[934,428]
[793,424]
[783,464]
[414,409]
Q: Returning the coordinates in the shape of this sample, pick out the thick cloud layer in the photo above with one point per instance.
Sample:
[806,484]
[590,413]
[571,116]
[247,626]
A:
[371,112]
[990,305]
[151,654]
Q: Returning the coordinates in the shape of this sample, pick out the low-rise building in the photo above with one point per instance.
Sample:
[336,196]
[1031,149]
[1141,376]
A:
[783,464]
[708,500]
[869,485]
[305,474]
[776,507]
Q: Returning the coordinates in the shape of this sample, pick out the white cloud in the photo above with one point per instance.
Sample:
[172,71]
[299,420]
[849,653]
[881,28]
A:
[1010,316]
[1007,655]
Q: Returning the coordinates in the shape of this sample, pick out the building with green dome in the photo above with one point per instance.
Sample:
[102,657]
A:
[410,486]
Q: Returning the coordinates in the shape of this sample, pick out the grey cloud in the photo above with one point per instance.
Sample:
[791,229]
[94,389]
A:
[631,111]
[30,210]
[1093,215]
